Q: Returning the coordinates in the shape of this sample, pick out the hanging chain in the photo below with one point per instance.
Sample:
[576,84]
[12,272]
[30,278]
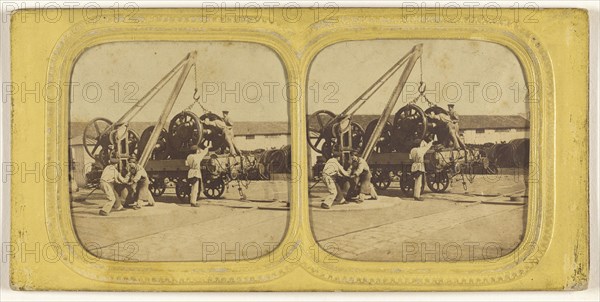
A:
[422,87]
[195,96]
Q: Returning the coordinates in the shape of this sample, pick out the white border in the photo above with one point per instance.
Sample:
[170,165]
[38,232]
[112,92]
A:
[591,294]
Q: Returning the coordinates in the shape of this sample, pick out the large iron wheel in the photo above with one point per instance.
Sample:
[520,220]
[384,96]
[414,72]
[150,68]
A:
[96,139]
[214,187]
[410,127]
[185,131]
[438,182]
[160,149]
[319,129]
[384,142]
[381,179]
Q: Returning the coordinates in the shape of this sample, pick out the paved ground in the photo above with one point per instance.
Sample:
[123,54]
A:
[224,229]
[445,227]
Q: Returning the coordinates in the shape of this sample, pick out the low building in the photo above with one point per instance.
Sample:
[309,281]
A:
[479,129]
[248,136]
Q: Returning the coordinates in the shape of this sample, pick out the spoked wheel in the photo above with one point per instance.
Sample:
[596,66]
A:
[381,179]
[157,186]
[410,125]
[185,131]
[438,182]
[183,190]
[214,187]
[384,142]
[160,149]
[319,129]
[407,184]
[96,139]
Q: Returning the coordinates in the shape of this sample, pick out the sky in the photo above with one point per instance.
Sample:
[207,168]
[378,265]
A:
[478,77]
[245,78]
[249,79]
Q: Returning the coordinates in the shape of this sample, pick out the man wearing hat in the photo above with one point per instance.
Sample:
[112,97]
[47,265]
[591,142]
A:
[140,184]
[194,162]
[108,180]
[451,122]
[331,172]
[226,126]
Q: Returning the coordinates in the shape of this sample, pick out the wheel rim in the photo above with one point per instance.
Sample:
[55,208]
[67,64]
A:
[410,125]
[381,179]
[95,139]
[214,188]
[438,182]
[383,143]
[185,131]
[317,126]
[161,149]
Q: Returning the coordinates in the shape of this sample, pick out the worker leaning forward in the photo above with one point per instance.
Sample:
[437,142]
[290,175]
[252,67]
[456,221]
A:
[417,168]
[361,175]
[226,126]
[332,171]
[451,122]
[139,184]
[194,161]
[110,178]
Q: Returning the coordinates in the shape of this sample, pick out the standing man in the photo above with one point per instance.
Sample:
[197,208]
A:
[140,184]
[362,174]
[194,177]
[417,168]
[109,178]
[331,172]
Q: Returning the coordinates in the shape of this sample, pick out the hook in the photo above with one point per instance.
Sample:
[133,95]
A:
[422,88]
[195,92]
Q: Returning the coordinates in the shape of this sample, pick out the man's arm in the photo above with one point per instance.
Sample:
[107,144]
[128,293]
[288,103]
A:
[341,169]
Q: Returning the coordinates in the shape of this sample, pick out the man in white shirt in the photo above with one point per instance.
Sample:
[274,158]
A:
[362,176]
[418,166]
[331,172]
[109,178]
[139,184]
[194,162]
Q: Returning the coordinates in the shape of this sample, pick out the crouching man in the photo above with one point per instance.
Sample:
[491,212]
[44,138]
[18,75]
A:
[140,185]
[332,171]
[110,178]
[362,176]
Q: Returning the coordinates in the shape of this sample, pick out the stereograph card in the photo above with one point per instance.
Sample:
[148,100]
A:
[299,149]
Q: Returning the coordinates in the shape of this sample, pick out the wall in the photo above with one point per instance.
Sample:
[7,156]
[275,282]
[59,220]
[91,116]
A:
[493,136]
[243,142]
